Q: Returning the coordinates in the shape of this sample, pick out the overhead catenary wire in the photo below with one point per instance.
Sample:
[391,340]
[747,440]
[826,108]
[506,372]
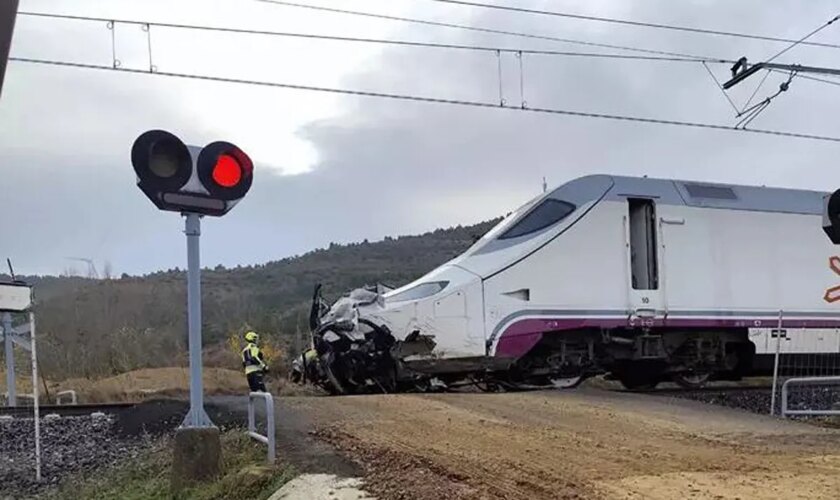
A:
[481,29]
[640,24]
[750,113]
[410,43]
[720,87]
[807,77]
[752,96]
[434,100]
[804,38]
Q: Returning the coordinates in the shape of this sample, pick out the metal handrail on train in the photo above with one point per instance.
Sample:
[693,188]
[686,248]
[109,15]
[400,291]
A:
[804,381]
[269,422]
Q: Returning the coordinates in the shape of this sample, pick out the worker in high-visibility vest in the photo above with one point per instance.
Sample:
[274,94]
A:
[254,363]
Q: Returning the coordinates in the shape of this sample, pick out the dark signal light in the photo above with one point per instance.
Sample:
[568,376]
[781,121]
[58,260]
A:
[831,217]
[161,161]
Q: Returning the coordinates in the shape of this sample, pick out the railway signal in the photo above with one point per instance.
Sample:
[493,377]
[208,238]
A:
[195,182]
[187,179]
[831,217]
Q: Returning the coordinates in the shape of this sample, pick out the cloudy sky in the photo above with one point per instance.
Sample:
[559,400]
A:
[333,168]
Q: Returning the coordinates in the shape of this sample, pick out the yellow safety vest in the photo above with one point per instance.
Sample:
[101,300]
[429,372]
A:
[252,359]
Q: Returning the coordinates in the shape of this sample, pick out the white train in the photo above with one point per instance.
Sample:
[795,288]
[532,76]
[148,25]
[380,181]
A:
[644,279]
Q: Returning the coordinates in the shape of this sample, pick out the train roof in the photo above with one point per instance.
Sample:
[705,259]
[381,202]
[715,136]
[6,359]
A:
[583,191]
[704,194]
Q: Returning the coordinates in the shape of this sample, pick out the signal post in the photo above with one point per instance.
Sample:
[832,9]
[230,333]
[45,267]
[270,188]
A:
[194,182]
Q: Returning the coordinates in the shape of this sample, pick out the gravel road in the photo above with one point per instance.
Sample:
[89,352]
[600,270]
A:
[583,443]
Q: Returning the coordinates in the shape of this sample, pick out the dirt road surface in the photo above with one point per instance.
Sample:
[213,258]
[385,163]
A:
[568,444]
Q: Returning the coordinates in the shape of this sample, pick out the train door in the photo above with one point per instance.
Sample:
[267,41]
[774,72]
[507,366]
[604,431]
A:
[645,296]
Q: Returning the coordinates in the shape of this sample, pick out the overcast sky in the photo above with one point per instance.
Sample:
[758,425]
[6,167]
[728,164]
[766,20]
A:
[334,168]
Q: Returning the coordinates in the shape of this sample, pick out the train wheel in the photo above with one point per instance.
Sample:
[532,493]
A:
[692,380]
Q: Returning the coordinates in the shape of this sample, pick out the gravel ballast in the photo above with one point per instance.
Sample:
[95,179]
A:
[72,446]
[69,446]
[758,400]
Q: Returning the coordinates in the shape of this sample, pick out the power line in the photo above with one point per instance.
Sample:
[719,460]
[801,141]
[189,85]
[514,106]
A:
[720,87]
[640,24]
[435,100]
[479,29]
[410,43]
[802,40]
[806,77]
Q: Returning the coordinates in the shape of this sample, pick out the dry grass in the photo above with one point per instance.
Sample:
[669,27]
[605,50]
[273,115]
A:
[147,477]
[147,383]
[152,382]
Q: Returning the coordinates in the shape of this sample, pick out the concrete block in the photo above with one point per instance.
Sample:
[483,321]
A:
[197,456]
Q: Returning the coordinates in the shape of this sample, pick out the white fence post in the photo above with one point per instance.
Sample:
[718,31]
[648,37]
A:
[776,365]
[35,402]
[269,438]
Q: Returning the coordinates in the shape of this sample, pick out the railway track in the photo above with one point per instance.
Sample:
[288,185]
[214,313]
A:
[703,390]
[65,410]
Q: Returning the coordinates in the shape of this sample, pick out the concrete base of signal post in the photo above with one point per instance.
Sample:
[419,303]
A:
[197,456]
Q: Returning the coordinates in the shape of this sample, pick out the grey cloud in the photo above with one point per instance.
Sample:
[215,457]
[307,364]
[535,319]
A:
[394,167]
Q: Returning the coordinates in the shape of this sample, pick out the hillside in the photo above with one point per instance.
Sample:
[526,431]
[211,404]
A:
[93,328]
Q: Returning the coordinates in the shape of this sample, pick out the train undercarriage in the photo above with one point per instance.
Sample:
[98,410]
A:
[352,354]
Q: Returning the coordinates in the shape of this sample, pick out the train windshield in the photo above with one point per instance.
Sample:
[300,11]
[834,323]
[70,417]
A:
[542,213]
[503,225]
[547,213]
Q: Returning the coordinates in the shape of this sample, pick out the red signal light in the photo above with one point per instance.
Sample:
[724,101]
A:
[227,172]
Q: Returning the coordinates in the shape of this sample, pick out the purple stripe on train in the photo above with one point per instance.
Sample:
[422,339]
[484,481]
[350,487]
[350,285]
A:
[519,337]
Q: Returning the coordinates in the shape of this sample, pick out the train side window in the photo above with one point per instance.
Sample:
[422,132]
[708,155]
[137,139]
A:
[643,262]
[545,214]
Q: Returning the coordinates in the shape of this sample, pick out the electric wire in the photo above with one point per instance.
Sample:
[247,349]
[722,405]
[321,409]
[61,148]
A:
[435,100]
[720,87]
[807,77]
[640,24]
[804,38]
[479,29]
[410,43]
[757,87]
[751,113]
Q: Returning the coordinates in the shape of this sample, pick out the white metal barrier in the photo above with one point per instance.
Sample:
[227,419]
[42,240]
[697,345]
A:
[807,381]
[27,396]
[269,422]
[59,398]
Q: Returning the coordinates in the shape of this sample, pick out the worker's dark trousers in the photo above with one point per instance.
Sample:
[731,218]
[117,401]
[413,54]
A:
[255,382]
